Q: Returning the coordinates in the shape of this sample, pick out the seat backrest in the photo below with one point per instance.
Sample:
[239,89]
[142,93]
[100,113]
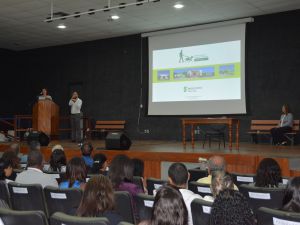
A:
[12,217]
[258,197]
[125,223]
[139,182]
[60,218]
[27,197]
[196,174]
[154,184]
[124,206]
[200,188]
[267,216]
[240,179]
[56,175]
[144,204]
[200,211]
[62,200]
[4,195]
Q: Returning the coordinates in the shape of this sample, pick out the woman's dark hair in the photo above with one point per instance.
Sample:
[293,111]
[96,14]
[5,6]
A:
[268,173]
[57,160]
[169,207]
[121,169]
[99,160]
[231,208]
[138,167]
[291,199]
[10,155]
[98,197]
[4,164]
[76,170]
[287,108]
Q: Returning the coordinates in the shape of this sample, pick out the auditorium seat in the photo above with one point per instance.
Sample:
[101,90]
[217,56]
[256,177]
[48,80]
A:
[200,188]
[258,196]
[124,206]
[139,182]
[240,178]
[27,197]
[196,174]
[56,175]
[267,216]
[13,217]
[60,218]
[125,223]
[62,200]
[144,204]
[200,211]
[154,184]
[4,195]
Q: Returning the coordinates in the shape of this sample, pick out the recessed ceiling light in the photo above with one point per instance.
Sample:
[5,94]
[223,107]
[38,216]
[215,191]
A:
[61,26]
[178,5]
[115,17]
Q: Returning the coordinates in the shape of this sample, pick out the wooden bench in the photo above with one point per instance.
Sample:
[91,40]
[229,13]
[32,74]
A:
[263,127]
[104,126]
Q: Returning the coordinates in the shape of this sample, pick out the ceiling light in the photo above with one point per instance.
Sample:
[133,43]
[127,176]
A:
[178,5]
[61,26]
[115,17]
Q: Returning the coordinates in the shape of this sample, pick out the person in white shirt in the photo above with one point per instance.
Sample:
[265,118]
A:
[75,103]
[34,173]
[179,176]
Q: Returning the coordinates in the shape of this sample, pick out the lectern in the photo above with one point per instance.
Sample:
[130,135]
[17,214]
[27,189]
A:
[46,117]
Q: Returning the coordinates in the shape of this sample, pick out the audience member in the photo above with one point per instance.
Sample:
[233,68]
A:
[5,170]
[58,160]
[86,151]
[98,200]
[268,173]
[291,199]
[231,208]
[100,164]
[179,176]
[32,146]
[168,208]
[75,174]
[34,174]
[215,163]
[13,157]
[138,167]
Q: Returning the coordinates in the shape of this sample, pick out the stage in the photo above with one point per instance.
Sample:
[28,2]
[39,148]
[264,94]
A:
[155,152]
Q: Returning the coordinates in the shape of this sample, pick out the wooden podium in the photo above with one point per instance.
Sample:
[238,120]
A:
[45,117]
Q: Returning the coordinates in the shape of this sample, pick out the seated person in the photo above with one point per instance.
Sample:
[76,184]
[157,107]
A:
[291,199]
[75,174]
[285,126]
[44,95]
[215,163]
[179,177]
[34,173]
[86,151]
[11,157]
[100,164]
[98,200]
[32,146]
[5,169]
[231,208]
[58,160]
[268,174]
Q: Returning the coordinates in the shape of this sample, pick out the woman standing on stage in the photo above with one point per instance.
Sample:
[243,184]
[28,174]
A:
[285,126]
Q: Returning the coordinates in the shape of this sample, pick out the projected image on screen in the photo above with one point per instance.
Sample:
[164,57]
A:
[203,72]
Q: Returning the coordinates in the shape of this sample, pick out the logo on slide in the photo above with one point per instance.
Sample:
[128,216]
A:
[192,58]
[191,89]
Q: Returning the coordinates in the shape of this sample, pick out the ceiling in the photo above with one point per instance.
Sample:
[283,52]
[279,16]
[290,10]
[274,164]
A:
[22,26]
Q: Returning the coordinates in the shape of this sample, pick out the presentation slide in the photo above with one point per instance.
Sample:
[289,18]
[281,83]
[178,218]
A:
[203,72]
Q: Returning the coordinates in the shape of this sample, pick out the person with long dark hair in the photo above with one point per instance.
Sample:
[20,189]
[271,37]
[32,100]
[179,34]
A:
[168,208]
[5,169]
[75,174]
[291,199]
[231,208]
[285,125]
[100,164]
[268,173]
[58,161]
[98,200]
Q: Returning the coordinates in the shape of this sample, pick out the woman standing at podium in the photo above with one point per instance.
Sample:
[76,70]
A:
[44,95]
[75,103]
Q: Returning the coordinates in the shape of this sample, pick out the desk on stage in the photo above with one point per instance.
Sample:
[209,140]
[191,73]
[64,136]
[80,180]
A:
[230,122]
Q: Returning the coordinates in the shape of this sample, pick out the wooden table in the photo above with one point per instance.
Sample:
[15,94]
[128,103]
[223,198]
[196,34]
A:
[230,122]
